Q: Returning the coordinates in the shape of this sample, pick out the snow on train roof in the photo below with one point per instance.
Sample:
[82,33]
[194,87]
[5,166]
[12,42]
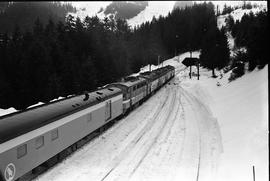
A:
[19,123]
[130,83]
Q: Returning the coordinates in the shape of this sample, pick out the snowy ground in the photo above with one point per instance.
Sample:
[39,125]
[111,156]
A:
[189,130]
[242,111]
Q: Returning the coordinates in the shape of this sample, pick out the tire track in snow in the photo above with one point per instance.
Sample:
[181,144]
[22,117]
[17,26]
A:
[153,141]
[102,149]
[200,138]
[145,142]
[207,132]
[119,158]
[183,135]
[191,105]
[174,136]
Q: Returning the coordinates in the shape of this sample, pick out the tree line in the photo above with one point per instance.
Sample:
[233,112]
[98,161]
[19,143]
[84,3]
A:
[251,33]
[60,59]
[63,58]
[24,14]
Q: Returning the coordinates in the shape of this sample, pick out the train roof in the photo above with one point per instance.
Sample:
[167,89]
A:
[156,73]
[129,83]
[18,123]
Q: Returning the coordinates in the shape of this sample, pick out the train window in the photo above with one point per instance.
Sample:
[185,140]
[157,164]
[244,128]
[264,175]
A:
[89,117]
[54,134]
[108,110]
[39,142]
[21,151]
[99,93]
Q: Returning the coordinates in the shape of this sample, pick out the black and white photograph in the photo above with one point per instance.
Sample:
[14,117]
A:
[134,91]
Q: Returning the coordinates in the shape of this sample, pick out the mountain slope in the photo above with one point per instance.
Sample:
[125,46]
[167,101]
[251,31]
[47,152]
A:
[237,15]
[139,12]
[125,9]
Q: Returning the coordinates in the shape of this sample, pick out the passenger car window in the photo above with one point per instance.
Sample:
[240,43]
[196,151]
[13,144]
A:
[108,110]
[54,134]
[21,151]
[89,117]
[39,142]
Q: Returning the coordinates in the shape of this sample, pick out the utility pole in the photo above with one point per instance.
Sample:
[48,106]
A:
[198,69]
[253,173]
[190,65]
[176,47]
[158,60]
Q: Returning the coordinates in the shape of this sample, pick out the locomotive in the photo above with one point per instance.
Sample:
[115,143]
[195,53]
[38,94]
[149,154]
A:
[45,134]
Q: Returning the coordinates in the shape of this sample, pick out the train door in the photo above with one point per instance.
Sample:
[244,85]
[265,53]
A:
[108,110]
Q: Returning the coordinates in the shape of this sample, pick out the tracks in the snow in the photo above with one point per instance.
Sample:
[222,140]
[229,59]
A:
[144,137]
[190,99]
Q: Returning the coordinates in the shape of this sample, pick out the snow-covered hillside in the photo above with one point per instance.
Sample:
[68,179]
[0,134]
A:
[89,8]
[237,15]
[154,8]
[241,108]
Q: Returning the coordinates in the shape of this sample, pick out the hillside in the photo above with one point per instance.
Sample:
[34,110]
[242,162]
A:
[241,109]
[237,14]
[125,9]
[138,13]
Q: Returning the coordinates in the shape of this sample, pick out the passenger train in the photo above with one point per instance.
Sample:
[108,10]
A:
[45,134]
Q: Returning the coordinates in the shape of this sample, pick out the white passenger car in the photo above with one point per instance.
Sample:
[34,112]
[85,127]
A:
[29,138]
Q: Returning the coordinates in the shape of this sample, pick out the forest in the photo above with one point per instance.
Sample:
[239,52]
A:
[24,14]
[61,58]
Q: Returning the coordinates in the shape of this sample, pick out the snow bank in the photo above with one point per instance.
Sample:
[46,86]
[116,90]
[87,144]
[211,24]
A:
[241,108]
[7,111]
[37,104]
